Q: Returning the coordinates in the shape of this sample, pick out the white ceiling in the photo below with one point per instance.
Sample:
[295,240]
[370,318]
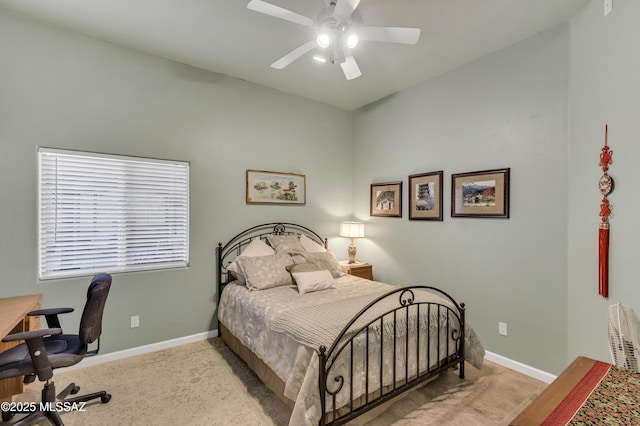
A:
[225,37]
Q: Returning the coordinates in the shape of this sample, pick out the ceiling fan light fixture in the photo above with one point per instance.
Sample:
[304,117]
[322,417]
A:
[335,33]
[323,40]
[352,40]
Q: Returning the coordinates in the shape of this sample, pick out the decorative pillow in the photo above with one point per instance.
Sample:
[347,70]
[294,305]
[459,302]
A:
[313,281]
[311,246]
[285,243]
[266,271]
[326,260]
[302,267]
[256,248]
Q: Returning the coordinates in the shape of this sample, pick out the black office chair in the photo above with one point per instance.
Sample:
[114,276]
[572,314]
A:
[48,349]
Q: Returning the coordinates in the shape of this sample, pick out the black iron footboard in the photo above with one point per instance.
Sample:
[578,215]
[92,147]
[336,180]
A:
[398,341]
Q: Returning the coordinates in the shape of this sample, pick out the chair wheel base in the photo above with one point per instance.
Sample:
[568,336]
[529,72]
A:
[106,398]
[75,390]
[6,416]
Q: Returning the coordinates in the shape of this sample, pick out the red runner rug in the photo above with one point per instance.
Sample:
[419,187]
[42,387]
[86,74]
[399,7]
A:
[578,395]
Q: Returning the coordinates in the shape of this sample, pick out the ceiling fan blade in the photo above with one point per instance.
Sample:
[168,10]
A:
[279,12]
[389,34]
[294,54]
[350,67]
[344,8]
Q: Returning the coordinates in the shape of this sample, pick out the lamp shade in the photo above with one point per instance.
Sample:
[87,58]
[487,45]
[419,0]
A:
[351,229]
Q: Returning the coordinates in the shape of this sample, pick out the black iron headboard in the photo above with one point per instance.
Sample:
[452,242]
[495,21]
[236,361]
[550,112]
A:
[227,252]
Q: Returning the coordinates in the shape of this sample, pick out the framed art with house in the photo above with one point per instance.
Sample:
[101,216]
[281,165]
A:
[386,199]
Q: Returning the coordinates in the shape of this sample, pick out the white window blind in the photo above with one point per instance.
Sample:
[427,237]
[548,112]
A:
[107,213]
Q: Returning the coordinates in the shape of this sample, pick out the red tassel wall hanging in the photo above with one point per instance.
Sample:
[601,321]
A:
[606,186]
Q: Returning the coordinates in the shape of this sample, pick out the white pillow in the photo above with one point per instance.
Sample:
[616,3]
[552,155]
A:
[313,281]
[311,246]
[256,248]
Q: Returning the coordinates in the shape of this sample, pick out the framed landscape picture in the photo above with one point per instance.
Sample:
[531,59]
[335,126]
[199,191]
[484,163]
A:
[425,196]
[480,194]
[275,188]
[386,199]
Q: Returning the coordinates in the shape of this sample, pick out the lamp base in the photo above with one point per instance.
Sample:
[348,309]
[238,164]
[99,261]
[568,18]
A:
[352,253]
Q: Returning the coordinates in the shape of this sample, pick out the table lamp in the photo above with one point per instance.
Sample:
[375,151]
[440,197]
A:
[352,230]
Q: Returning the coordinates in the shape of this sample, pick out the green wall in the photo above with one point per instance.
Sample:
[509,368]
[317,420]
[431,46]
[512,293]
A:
[605,89]
[68,91]
[508,109]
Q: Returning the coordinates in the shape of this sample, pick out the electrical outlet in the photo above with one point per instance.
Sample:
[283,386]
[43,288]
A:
[502,328]
[608,7]
[135,321]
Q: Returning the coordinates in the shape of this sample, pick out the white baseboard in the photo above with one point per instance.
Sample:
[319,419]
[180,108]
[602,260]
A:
[520,367]
[113,356]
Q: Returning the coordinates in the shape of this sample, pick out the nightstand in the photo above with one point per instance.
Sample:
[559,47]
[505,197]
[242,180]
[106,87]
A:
[358,269]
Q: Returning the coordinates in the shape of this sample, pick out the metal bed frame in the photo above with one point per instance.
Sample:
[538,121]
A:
[332,384]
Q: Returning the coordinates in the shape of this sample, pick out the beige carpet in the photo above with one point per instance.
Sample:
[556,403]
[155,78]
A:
[204,383]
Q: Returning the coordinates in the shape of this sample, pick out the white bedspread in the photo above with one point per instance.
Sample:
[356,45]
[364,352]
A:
[251,315]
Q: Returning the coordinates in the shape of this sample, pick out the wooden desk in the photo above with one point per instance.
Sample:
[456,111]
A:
[14,319]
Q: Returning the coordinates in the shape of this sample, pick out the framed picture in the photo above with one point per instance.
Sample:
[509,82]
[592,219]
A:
[480,194]
[386,199]
[425,196]
[275,188]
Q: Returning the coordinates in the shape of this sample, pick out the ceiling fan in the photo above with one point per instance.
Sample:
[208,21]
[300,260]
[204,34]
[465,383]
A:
[336,33]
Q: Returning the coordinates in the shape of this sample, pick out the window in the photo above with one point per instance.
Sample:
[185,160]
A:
[108,213]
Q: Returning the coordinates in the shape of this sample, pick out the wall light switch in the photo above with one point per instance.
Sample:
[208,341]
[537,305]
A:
[502,328]
[608,7]
[135,321]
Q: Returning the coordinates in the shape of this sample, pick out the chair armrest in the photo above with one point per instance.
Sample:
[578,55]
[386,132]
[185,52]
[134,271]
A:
[51,315]
[37,350]
[33,334]
[50,311]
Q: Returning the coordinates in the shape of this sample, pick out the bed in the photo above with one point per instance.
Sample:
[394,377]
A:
[586,392]
[332,346]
